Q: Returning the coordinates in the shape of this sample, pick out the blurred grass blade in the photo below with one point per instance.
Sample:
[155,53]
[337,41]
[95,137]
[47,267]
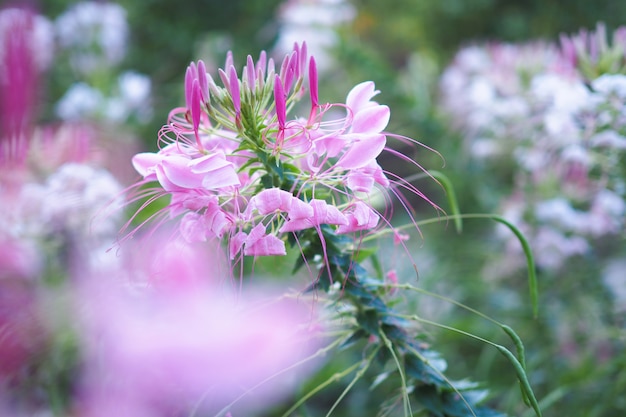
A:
[530,260]
[452,201]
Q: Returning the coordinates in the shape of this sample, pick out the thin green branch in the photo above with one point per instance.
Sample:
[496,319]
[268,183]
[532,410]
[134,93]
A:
[359,374]
[405,394]
[519,369]
[530,259]
[333,378]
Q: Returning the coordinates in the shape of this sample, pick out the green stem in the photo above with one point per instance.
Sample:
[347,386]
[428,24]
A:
[405,394]
[359,374]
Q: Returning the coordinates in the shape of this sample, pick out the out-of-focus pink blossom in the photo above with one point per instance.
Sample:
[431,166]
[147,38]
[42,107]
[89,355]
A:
[22,333]
[18,83]
[175,337]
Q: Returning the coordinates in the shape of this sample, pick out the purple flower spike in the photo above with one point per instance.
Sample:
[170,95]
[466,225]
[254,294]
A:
[262,63]
[195,110]
[203,81]
[250,73]
[188,87]
[233,88]
[303,57]
[17,89]
[281,102]
[313,88]
[229,60]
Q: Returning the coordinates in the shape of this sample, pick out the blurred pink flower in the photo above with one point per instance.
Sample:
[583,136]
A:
[18,82]
[172,336]
[22,332]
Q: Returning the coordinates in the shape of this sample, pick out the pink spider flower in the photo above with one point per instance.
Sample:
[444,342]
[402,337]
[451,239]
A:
[224,156]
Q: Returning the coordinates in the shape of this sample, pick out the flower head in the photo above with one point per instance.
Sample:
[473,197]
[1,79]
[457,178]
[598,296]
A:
[237,166]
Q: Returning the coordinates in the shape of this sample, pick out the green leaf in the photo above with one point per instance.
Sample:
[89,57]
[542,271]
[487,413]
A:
[530,261]
[369,321]
[430,399]
[363,253]
[423,372]
[356,336]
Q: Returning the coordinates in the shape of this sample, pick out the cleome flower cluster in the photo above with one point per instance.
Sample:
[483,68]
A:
[552,118]
[236,165]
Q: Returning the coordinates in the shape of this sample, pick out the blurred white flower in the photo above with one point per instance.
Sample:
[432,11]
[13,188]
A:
[610,84]
[75,197]
[527,104]
[606,215]
[559,212]
[315,22]
[552,248]
[80,102]
[130,99]
[608,139]
[134,88]
[134,95]
[614,279]
[94,34]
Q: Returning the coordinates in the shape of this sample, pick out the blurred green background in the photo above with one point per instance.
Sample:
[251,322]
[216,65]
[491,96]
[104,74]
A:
[403,45]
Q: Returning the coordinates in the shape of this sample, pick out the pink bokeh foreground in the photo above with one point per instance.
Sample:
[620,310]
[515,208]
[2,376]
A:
[167,335]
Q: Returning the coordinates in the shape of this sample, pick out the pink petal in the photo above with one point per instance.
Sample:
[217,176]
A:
[360,95]
[295,225]
[270,200]
[193,228]
[330,145]
[300,210]
[176,169]
[216,172]
[216,220]
[236,243]
[371,120]
[379,175]
[145,162]
[360,217]
[360,181]
[323,213]
[256,234]
[268,245]
[363,151]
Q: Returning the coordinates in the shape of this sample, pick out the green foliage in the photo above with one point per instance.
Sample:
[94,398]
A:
[392,335]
